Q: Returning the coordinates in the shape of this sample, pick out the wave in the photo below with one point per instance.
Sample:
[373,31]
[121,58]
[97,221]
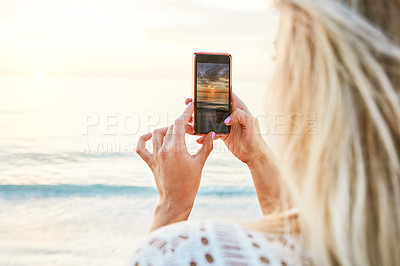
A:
[59,157]
[213,106]
[98,190]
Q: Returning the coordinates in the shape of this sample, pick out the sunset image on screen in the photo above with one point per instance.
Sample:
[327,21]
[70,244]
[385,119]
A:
[212,97]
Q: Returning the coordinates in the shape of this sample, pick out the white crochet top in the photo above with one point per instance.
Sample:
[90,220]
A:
[217,243]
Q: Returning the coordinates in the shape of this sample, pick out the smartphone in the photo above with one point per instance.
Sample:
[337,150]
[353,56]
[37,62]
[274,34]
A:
[212,92]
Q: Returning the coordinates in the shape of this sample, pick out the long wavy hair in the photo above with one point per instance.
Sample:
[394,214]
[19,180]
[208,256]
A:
[340,60]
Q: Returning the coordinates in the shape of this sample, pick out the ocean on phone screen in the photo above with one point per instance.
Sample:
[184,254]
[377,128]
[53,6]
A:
[72,189]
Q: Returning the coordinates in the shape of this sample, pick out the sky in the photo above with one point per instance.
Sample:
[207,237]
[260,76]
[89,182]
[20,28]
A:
[213,82]
[132,38]
[212,77]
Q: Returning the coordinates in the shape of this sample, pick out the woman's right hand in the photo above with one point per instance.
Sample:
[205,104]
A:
[244,140]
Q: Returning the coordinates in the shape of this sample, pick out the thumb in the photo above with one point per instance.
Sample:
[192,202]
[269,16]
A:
[207,147]
[237,116]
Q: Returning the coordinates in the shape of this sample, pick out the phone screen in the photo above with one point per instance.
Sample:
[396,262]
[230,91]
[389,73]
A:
[212,89]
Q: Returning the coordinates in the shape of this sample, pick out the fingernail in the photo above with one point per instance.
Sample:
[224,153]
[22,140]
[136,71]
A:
[190,104]
[213,135]
[227,120]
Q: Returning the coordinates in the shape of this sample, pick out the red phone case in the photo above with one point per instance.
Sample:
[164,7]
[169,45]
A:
[194,86]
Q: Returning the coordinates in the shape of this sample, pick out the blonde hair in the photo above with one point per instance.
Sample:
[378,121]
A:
[341,61]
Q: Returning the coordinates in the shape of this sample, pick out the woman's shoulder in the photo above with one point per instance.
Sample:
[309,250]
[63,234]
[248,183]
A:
[216,243]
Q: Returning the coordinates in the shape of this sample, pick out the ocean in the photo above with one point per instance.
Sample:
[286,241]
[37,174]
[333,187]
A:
[72,189]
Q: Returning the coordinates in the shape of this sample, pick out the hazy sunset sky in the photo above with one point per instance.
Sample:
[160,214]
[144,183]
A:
[213,82]
[212,77]
[130,37]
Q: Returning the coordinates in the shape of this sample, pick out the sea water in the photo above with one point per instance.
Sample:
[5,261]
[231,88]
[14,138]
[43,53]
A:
[72,189]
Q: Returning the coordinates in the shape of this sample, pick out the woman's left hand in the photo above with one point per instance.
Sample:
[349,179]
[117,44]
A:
[176,172]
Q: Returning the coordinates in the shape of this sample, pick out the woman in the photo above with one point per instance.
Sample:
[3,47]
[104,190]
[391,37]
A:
[336,198]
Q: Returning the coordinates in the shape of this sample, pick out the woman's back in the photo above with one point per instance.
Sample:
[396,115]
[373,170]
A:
[218,243]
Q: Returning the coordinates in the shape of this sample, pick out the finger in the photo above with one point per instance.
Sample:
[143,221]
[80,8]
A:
[158,137]
[141,148]
[180,124]
[188,100]
[201,139]
[168,135]
[207,147]
[238,116]
[189,129]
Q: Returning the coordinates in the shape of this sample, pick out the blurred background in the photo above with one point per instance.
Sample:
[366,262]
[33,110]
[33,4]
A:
[80,81]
